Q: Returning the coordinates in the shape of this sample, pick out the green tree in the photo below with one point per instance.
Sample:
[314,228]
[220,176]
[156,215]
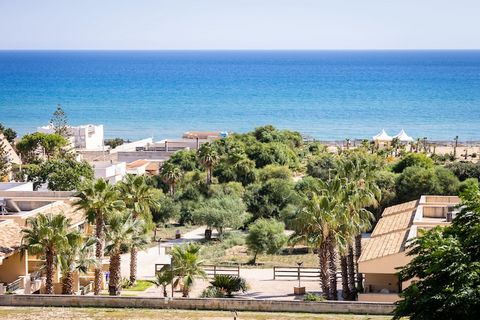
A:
[445,268]
[113,143]
[186,160]
[122,230]
[47,235]
[76,256]
[99,200]
[275,172]
[416,181]
[31,146]
[208,157]
[59,122]
[465,170]
[9,133]
[63,174]
[140,198]
[271,199]
[413,159]
[265,236]
[187,266]
[220,213]
[171,174]
[322,166]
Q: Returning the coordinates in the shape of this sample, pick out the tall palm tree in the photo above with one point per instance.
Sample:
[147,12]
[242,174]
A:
[140,198]
[208,157]
[77,256]
[170,173]
[99,200]
[121,231]
[187,266]
[47,235]
[317,223]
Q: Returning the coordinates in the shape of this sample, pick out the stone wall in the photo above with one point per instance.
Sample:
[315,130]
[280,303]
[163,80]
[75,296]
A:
[371,308]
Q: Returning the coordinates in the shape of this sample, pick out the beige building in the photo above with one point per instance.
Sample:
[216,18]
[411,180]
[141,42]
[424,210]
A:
[19,271]
[385,251]
[12,156]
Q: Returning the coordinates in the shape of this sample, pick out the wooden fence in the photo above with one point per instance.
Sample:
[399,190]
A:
[297,273]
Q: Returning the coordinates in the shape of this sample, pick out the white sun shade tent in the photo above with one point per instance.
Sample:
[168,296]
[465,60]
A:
[382,137]
[403,136]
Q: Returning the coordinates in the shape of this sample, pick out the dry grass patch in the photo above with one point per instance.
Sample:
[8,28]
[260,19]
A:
[34,313]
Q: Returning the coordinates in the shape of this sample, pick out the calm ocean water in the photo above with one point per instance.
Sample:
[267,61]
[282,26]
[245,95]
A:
[325,94]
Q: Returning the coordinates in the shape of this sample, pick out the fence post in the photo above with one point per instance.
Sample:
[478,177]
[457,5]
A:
[298,273]
[274,272]
[214,270]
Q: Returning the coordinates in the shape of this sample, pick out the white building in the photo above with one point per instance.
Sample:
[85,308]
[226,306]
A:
[111,171]
[86,137]
[16,186]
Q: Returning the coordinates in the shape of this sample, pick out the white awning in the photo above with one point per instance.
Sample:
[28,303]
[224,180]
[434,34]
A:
[403,136]
[382,136]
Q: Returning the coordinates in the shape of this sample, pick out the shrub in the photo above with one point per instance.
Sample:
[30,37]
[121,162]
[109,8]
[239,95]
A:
[313,297]
[229,284]
[413,159]
[212,292]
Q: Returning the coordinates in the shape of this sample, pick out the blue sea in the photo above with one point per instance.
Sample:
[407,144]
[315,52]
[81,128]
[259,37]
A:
[329,95]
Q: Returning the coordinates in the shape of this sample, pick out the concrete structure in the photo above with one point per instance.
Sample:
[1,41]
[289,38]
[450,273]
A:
[16,186]
[111,171]
[19,271]
[204,135]
[133,146]
[199,304]
[85,137]
[386,249]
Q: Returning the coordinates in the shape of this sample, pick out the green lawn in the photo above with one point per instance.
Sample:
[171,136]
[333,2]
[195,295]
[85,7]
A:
[35,313]
[141,285]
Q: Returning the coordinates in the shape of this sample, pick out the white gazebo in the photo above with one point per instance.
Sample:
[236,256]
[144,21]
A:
[403,136]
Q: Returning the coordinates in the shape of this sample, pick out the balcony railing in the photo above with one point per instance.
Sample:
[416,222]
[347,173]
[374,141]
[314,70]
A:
[14,286]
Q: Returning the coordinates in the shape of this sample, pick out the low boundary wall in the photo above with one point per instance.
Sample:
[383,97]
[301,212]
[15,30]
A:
[371,308]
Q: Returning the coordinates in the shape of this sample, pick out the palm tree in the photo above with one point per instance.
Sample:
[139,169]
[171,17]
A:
[140,198]
[121,231]
[163,278]
[46,235]
[77,256]
[99,200]
[170,173]
[187,266]
[208,157]
[317,224]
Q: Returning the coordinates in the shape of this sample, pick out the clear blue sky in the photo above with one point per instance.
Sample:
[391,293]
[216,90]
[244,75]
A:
[240,24]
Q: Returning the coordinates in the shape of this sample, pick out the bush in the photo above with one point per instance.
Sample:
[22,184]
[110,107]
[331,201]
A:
[313,297]
[229,284]
[265,236]
[411,160]
[465,170]
[212,292]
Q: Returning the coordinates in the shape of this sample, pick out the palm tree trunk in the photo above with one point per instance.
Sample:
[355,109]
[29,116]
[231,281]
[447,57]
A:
[49,256]
[344,269]
[99,233]
[164,291]
[358,252]
[115,271]
[351,274]
[67,283]
[323,264]
[133,266]
[332,268]
[209,175]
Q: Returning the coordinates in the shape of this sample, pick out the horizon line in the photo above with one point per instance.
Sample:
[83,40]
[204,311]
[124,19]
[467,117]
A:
[275,49]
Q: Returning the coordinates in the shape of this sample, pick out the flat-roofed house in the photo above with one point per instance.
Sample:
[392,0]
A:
[385,251]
